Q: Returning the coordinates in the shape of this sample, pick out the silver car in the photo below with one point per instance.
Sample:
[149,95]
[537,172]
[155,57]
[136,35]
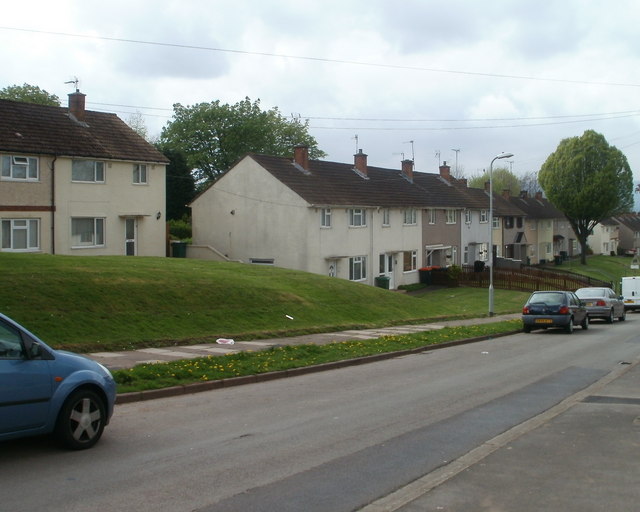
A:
[602,303]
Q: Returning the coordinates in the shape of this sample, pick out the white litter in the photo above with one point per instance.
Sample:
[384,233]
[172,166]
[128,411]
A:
[225,341]
[289,317]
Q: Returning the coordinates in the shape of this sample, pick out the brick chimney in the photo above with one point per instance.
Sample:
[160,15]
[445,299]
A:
[524,194]
[360,162]
[407,169]
[301,156]
[445,171]
[76,105]
[506,193]
[539,196]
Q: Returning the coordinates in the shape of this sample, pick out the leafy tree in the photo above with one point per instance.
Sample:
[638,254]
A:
[180,184]
[29,94]
[137,124]
[502,178]
[589,181]
[213,136]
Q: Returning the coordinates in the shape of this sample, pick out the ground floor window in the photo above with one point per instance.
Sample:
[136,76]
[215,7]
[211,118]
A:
[358,268]
[409,261]
[20,234]
[87,232]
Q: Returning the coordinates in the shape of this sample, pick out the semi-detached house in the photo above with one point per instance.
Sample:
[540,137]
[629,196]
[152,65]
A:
[74,181]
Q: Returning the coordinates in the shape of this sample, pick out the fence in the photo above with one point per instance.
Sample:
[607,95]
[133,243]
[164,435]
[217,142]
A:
[523,279]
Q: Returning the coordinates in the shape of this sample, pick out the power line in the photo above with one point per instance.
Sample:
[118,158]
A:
[318,59]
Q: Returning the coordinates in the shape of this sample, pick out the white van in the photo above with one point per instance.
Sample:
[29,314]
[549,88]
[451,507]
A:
[631,292]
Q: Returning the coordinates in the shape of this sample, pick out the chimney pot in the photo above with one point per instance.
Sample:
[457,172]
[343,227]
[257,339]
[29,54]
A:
[445,171]
[360,162]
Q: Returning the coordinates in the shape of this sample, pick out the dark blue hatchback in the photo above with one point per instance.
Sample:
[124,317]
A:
[554,309]
[44,391]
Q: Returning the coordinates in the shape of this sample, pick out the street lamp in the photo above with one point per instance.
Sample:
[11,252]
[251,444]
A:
[490,248]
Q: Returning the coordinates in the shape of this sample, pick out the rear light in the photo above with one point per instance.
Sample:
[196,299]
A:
[601,303]
[525,310]
[564,310]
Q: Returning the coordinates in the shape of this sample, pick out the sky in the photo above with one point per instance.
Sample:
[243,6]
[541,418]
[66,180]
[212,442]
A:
[459,81]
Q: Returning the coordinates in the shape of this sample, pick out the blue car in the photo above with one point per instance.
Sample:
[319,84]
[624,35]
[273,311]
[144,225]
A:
[44,391]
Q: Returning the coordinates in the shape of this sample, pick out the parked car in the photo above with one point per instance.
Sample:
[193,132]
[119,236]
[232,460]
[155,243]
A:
[554,309]
[602,303]
[45,391]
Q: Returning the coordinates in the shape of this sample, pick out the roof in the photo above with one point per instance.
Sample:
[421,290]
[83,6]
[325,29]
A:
[44,130]
[338,184]
[629,220]
[537,208]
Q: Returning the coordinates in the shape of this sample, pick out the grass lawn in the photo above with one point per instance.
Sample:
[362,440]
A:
[606,268]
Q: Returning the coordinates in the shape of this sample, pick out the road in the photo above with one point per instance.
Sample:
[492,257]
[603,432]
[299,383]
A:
[332,441]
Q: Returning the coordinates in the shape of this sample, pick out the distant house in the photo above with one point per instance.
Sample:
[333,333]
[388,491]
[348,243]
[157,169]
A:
[604,237]
[80,182]
[629,232]
[352,221]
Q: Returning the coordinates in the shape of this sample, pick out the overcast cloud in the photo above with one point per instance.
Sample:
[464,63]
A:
[481,77]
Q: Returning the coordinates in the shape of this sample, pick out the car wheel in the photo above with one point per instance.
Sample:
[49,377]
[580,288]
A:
[569,327]
[623,317]
[527,328]
[81,420]
[585,322]
[610,317]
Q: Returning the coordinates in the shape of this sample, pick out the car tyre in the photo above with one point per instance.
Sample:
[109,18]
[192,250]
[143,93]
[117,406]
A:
[585,323]
[81,420]
[569,326]
[623,317]
[526,329]
[610,317]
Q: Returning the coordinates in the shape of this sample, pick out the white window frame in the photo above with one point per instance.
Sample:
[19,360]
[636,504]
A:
[12,228]
[467,217]
[465,255]
[358,268]
[386,217]
[409,261]
[454,254]
[12,168]
[432,215]
[452,217]
[89,239]
[99,172]
[484,216]
[410,217]
[325,218]
[140,174]
[357,217]
[495,224]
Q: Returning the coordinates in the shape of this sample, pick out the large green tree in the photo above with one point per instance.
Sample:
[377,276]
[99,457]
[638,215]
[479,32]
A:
[213,136]
[589,181]
[29,94]
[502,179]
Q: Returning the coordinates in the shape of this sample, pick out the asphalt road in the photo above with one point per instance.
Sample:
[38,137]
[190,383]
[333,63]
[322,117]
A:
[333,441]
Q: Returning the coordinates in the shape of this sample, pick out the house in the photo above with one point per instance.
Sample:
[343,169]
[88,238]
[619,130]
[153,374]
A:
[604,237]
[629,232]
[352,221]
[74,181]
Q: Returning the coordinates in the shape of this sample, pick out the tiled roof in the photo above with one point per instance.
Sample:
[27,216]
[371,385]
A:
[43,130]
[630,220]
[537,208]
[338,184]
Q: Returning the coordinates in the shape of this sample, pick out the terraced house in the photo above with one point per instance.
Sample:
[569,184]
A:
[74,181]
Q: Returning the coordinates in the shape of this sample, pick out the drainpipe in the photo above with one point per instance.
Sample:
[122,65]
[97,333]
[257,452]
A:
[53,204]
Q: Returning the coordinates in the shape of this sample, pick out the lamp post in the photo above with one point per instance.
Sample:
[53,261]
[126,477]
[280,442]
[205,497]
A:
[490,248]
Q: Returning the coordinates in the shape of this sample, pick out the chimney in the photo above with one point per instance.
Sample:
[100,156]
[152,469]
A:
[539,196]
[360,162]
[76,105]
[523,194]
[445,171]
[301,156]
[487,185]
[407,169]
[506,193]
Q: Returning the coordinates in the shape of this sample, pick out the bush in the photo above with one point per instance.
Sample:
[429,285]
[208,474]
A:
[180,229]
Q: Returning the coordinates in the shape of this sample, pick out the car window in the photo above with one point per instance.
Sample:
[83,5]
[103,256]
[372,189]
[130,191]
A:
[547,298]
[10,342]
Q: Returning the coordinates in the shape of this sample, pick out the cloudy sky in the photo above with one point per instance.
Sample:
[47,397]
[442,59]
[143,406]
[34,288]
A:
[478,77]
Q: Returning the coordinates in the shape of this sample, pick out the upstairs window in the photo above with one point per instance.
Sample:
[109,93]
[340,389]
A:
[451,216]
[24,168]
[432,216]
[467,216]
[357,217]
[484,216]
[89,171]
[325,218]
[139,174]
[386,217]
[410,217]
[508,222]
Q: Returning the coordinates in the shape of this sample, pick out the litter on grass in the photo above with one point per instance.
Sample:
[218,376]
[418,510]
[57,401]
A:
[225,341]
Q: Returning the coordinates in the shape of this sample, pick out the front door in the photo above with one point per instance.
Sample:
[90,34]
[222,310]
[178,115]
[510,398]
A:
[386,268]
[130,228]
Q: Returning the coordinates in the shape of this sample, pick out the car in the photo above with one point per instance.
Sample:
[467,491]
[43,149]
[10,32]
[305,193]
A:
[602,303]
[546,309]
[47,391]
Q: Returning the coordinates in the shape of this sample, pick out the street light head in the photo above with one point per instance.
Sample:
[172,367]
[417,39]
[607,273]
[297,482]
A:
[505,155]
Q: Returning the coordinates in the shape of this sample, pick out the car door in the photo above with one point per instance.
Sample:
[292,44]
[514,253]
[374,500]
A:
[618,305]
[578,308]
[25,384]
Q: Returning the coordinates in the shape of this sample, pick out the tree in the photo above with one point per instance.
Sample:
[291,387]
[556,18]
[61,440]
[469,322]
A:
[137,124]
[589,181]
[502,178]
[213,136]
[29,94]
[180,184]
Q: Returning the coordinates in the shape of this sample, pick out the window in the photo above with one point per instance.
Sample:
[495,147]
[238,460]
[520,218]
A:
[432,216]
[451,217]
[386,217]
[467,216]
[88,171]
[139,174]
[496,223]
[484,216]
[409,261]
[358,268]
[465,255]
[11,347]
[519,222]
[87,232]
[20,168]
[20,234]
[357,217]
[325,218]
[454,254]
[508,222]
[410,216]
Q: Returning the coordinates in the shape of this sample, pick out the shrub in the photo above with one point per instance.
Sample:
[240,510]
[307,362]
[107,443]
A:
[180,229]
